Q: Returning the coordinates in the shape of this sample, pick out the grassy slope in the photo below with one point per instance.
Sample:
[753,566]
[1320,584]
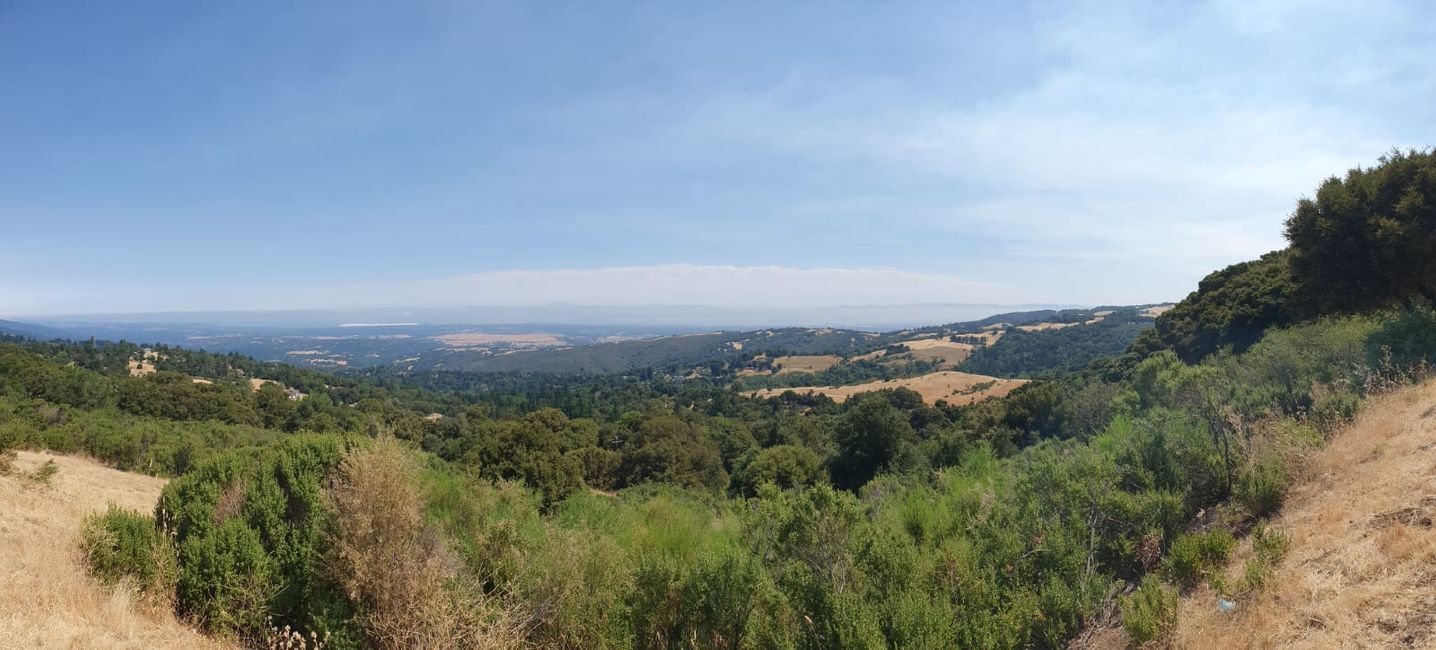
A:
[47,598]
[1361,568]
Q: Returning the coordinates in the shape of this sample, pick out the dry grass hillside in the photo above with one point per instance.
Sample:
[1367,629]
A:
[47,600]
[957,388]
[1360,571]
[805,363]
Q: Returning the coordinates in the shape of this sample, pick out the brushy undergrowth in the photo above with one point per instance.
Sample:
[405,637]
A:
[124,546]
[1268,548]
[396,568]
[1149,614]
[1194,557]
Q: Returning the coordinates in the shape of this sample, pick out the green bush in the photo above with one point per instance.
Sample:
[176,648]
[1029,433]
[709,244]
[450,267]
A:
[1195,556]
[252,529]
[225,581]
[1261,487]
[1406,340]
[1149,614]
[1268,549]
[1333,410]
[787,466]
[124,545]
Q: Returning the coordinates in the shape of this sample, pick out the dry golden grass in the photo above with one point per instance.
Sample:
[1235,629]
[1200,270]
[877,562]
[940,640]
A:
[805,363]
[47,599]
[956,387]
[869,356]
[941,350]
[396,568]
[1042,327]
[1153,312]
[1360,571]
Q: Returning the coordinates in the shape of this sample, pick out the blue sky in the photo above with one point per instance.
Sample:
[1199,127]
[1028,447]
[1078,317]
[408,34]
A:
[184,155]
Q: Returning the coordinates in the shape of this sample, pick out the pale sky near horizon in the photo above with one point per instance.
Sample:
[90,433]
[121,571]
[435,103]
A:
[278,155]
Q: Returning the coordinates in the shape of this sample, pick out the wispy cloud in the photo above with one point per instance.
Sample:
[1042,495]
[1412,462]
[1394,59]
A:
[1085,152]
[746,287]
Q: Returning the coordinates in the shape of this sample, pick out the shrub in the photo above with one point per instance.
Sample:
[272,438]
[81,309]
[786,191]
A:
[1194,556]
[1262,485]
[1150,613]
[44,474]
[787,466]
[1405,341]
[1334,409]
[124,545]
[225,581]
[252,528]
[391,565]
[574,587]
[1268,548]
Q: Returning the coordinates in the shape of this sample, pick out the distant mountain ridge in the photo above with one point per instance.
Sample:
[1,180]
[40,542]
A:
[533,346]
[33,331]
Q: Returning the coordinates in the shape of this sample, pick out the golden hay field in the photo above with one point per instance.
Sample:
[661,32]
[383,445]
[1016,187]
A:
[47,599]
[805,363]
[1156,311]
[938,349]
[1041,327]
[955,387]
[1360,571]
[941,349]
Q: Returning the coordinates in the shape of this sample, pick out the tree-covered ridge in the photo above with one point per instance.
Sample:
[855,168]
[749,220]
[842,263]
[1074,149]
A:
[1021,353]
[1366,241]
[1232,308]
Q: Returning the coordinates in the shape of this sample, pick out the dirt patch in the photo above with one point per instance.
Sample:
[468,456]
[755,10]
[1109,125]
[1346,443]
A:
[1416,515]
